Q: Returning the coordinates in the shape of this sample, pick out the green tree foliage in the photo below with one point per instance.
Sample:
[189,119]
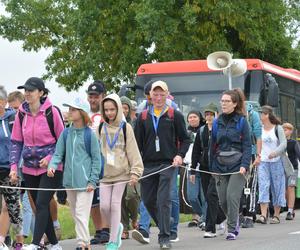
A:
[109,39]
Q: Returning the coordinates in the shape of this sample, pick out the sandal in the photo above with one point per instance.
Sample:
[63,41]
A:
[193,223]
[261,219]
[275,220]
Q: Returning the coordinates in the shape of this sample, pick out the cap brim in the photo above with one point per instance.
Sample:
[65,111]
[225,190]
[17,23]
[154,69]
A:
[71,106]
[28,87]
[91,92]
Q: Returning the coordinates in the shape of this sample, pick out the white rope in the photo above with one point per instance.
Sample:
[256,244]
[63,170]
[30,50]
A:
[117,183]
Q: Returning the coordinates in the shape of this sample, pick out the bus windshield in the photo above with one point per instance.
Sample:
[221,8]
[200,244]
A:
[196,90]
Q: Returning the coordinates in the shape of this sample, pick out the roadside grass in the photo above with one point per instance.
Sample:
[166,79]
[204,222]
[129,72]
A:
[68,225]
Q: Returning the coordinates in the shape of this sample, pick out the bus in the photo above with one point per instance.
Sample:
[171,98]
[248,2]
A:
[193,85]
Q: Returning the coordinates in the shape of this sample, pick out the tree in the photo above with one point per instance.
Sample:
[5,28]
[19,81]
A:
[110,39]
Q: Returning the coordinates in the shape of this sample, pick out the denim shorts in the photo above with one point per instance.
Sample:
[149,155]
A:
[271,176]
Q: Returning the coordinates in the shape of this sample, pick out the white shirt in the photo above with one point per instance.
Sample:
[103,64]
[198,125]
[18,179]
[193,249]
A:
[96,119]
[269,144]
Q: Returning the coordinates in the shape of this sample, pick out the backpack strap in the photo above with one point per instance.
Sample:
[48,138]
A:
[49,117]
[171,113]
[276,131]
[144,114]
[215,128]
[88,140]
[65,134]
[21,116]
[11,121]
[123,128]
[240,124]
[201,136]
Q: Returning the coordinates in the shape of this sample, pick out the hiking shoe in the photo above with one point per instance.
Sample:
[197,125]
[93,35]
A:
[119,236]
[141,236]
[173,237]
[3,246]
[31,247]
[231,236]
[261,219]
[101,238]
[165,245]
[18,246]
[111,246]
[7,241]
[247,223]
[290,216]
[275,220]
[209,235]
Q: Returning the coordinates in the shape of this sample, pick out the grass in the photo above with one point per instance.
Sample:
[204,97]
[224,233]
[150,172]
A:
[68,226]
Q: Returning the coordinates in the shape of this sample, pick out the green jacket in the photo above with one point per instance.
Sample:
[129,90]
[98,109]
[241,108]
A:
[80,169]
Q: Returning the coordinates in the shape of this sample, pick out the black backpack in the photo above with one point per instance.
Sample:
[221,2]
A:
[49,117]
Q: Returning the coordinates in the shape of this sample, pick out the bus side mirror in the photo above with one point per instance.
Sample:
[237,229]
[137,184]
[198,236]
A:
[273,91]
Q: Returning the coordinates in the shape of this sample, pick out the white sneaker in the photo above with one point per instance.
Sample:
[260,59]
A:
[3,246]
[30,247]
[56,247]
[209,235]
[221,228]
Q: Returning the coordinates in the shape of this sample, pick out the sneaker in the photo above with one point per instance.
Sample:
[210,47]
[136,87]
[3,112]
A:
[237,228]
[125,235]
[101,238]
[119,236]
[18,246]
[231,236]
[3,246]
[56,247]
[111,246]
[209,235]
[221,228]
[141,236]
[290,216]
[31,247]
[165,245]
[201,225]
[7,241]
[247,223]
[173,237]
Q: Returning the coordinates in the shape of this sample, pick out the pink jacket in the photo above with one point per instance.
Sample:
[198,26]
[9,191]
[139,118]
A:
[34,139]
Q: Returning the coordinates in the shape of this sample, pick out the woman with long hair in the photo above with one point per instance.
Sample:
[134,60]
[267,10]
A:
[230,155]
[271,170]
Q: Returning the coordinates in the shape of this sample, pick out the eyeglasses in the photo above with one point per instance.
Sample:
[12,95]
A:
[225,101]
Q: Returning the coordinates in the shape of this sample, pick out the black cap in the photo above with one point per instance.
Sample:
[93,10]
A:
[96,87]
[33,83]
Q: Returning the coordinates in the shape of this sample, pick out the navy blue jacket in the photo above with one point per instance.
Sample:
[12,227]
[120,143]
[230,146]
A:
[229,136]
[6,123]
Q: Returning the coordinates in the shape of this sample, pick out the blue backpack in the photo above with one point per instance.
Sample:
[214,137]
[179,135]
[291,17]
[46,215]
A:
[87,143]
[239,126]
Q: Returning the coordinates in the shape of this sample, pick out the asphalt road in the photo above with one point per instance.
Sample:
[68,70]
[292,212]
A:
[285,236]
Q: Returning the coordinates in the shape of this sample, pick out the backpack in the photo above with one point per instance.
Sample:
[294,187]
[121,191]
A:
[170,114]
[87,138]
[239,126]
[49,117]
[11,121]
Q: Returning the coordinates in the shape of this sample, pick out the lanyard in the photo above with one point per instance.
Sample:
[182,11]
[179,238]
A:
[116,136]
[155,119]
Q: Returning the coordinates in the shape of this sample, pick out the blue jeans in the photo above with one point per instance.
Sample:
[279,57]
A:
[196,197]
[28,216]
[175,204]
[145,219]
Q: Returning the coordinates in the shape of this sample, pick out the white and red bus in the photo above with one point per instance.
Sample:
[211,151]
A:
[194,85]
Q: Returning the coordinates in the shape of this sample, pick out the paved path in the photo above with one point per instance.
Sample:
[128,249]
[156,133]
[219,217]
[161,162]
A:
[284,236]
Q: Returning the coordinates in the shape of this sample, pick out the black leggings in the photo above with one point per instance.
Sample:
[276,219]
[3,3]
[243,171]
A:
[41,199]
